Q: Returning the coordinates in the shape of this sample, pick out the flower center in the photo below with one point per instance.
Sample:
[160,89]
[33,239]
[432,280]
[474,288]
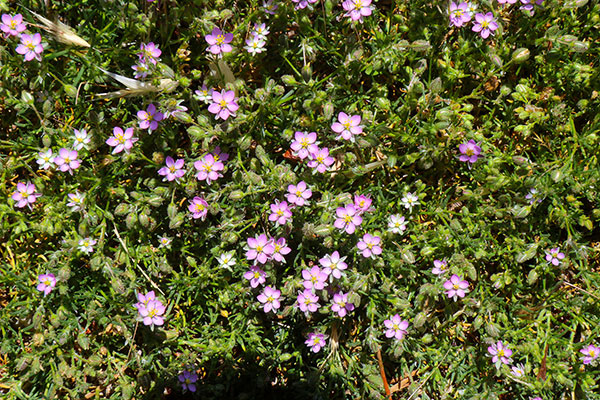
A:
[458,13]
[485,24]
[256,275]
[223,103]
[304,142]
[67,160]
[199,207]
[152,313]
[470,152]
[320,159]
[347,219]
[220,39]
[270,299]
[48,283]
[298,193]
[172,169]
[455,286]
[259,248]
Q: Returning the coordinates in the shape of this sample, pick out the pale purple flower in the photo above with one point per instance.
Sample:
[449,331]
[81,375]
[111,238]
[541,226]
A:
[554,256]
[357,9]
[590,353]
[165,242]
[280,249]
[47,282]
[485,24]
[188,380]
[204,94]
[307,301]
[219,42]
[256,276]
[260,248]
[396,223]
[150,118]
[173,171]
[208,168]
[269,7]
[333,265]
[314,278]
[348,218]
[255,44]
[456,287]
[320,160]
[86,245]
[25,194]
[300,4]
[31,46]
[280,212]
[298,194]
[260,30]
[363,203]
[76,201]
[409,201]
[459,14]
[219,155]
[12,26]
[121,140]
[198,207]
[368,246]
[173,107]
[340,304]
[141,69]
[46,159]
[470,151]
[518,370]
[144,299]
[507,1]
[316,341]
[152,313]
[149,53]
[224,104]
[304,143]
[67,160]
[81,139]
[395,327]
[528,5]
[532,196]
[500,352]
[270,299]
[439,267]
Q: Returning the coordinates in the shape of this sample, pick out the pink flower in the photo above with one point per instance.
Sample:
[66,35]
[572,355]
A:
[307,301]
[485,25]
[357,9]
[314,278]
[121,140]
[47,282]
[554,256]
[507,1]
[368,246]
[300,4]
[198,207]
[31,47]
[280,212]
[439,267]
[362,203]
[270,299]
[260,249]
[316,341]
[456,287]
[341,305]
[499,351]
[298,194]
[25,194]
[12,26]
[320,160]
[459,14]
[173,171]
[144,299]
[209,168]
[67,160]
[470,151]
[396,328]
[304,143]
[224,104]
[149,53]
[280,249]
[333,265]
[149,119]
[348,218]
[219,42]
[256,276]
[590,353]
[152,312]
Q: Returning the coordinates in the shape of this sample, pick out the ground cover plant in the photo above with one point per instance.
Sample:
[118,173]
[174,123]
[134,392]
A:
[306,198]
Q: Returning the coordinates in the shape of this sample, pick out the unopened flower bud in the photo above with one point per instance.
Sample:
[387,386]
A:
[521,55]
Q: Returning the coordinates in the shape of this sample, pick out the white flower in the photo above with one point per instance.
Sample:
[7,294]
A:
[204,94]
[410,200]
[270,7]
[81,139]
[255,45]
[45,159]
[76,202]
[226,260]
[260,31]
[396,224]
[518,370]
[87,245]
[164,241]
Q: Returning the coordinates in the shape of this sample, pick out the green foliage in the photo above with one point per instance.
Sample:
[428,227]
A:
[528,95]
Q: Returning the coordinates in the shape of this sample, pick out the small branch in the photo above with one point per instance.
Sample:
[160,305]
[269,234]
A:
[383,378]
[583,290]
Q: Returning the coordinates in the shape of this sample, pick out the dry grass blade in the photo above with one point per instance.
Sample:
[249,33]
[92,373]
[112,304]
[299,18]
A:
[62,32]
